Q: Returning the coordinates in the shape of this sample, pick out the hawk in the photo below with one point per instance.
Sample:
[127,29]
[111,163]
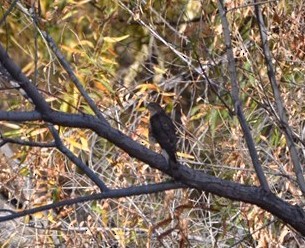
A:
[162,130]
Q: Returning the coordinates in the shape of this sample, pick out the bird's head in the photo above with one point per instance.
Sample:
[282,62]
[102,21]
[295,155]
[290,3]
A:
[154,108]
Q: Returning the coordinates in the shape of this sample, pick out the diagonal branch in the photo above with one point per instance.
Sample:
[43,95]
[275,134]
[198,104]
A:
[282,116]
[3,18]
[40,103]
[292,215]
[78,162]
[236,100]
[44,109]
[260,196]
[61,59]
[72,75]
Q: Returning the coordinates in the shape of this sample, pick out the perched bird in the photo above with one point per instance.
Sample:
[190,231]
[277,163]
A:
[162,130]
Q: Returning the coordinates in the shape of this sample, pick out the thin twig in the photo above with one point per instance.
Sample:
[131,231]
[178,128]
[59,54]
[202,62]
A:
[8,12]
[111,194]
[25,142]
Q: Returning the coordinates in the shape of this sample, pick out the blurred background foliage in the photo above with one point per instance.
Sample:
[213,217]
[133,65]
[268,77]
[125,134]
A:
[126,53]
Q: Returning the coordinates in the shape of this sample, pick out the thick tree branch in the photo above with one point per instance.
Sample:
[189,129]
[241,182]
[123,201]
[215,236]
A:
[31,91]
[292,215]
[44,109]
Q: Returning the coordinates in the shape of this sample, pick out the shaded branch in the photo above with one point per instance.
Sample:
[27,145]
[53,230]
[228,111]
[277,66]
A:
[5,15]
[91,122]
[292,215]
[111,194]
[72,75]
[282,116]
[260,196]
[78,162]
[31,91]
[25,142]
[236,100]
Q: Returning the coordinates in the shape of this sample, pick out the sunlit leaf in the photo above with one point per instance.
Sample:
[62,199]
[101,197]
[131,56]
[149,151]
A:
[115,39]
[24,171]
[77,144]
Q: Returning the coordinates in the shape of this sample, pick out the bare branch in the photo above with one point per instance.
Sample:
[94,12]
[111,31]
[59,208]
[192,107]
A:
[237,102]
[78,162]
[25,142]
[282,116]
[40,103]
[293,215]
[2,20]
[111,194]
[74,79]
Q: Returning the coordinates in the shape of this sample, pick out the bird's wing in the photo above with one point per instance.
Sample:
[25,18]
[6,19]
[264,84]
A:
[169,128]
[163,130]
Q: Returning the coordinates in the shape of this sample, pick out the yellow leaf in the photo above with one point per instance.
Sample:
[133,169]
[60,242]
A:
[103,86]
[38,215]
[168,94]
[108,61]
[24,171]
[76,144]
[115,39]
[39,131]
[71,50]
[10,125]
[160,70]
[84,144]
[86,42]
[145,87]
[185,155]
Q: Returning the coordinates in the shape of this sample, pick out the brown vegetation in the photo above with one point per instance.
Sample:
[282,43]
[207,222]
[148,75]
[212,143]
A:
[76,168]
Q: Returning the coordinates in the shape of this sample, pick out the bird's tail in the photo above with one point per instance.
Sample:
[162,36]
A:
[173,157]
[169,156]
